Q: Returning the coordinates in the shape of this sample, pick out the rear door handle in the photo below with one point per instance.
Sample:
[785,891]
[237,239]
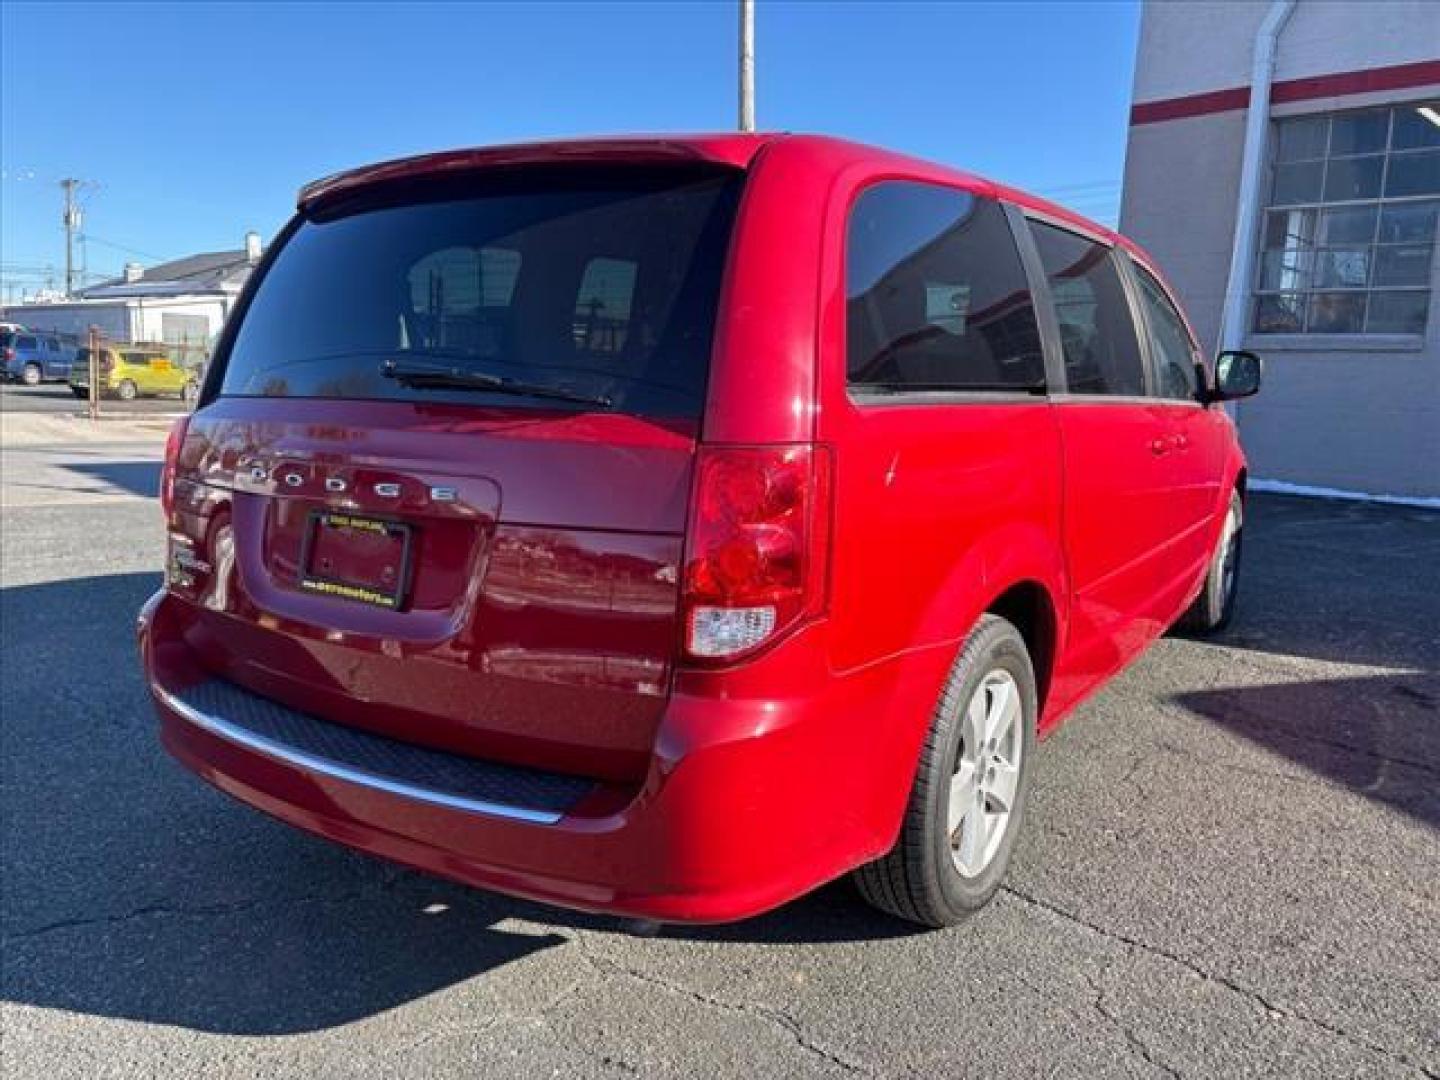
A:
[1159,447]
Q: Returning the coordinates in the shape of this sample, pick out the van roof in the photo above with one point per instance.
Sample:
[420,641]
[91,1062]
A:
[723,148]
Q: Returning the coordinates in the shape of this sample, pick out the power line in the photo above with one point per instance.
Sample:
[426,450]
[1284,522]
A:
[91,238]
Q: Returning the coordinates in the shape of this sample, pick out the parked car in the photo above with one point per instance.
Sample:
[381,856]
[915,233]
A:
[33,357]
[872,471]
[131,371]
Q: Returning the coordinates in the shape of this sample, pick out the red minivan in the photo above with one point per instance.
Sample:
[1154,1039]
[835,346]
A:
[666,526]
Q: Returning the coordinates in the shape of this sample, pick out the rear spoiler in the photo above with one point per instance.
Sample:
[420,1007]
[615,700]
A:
[736,150]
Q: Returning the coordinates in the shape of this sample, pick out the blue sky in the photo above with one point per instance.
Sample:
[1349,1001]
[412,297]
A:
[197,122]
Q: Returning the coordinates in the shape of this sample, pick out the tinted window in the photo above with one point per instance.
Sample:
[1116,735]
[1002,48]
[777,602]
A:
[25,343]
[136,359]
[936,297]
[598,281]
[1102,352]
[1174,353]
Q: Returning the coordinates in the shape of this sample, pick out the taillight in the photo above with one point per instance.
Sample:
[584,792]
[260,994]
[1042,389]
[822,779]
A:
[9,354]
[173,442]
[759,525]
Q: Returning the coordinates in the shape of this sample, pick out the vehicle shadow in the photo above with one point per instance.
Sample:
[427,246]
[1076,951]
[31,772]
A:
[1350,583]
[135,477]
[134,890]
[1377,735]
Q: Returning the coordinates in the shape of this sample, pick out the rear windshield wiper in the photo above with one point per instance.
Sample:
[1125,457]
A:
[441,377]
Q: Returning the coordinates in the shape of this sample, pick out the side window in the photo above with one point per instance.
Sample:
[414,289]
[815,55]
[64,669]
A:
[1102,351]
[935,294]
[1174,352]
[603,304]
[27,343]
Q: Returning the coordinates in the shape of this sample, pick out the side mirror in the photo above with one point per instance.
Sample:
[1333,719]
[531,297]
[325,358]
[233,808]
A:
[1237,375]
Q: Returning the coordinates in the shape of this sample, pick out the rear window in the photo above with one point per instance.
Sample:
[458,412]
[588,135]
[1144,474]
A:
[137,359]
[599,282]
[25,342]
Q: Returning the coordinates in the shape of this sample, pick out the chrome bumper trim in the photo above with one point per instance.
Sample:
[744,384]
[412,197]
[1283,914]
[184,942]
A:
[231,732]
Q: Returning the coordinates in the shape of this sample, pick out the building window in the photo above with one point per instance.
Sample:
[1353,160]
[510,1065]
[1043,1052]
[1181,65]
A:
[1350,229]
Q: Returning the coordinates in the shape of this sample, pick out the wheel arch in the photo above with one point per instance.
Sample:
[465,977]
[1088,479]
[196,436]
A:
[1028,606]
[1017,572]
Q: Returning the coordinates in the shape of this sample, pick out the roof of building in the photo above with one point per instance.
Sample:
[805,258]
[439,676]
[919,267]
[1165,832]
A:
[208,272]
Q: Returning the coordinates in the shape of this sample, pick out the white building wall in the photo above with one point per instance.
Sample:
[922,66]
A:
[121,320]
[113,319]
[1198,46]
[150,316]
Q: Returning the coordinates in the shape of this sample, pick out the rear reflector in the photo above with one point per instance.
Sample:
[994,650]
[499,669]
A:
[173,442]
[758,532]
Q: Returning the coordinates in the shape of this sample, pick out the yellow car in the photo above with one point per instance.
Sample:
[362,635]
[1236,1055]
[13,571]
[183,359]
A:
[128,371]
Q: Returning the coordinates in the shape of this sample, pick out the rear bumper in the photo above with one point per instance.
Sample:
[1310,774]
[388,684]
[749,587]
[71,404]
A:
[749,800]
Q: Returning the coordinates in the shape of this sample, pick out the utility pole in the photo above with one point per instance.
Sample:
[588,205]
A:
[72,226]
[747,65]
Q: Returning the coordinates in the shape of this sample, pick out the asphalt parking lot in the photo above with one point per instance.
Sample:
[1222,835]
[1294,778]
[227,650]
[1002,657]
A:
[57,398]
[1232,867]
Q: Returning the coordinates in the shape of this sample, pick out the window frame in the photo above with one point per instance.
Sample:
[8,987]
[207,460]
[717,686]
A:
[863,398]
[1305,337]
[1056,373]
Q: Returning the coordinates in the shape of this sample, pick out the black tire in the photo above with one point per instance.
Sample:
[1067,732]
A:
[918,880]
[32,375]
[127,390]
[1215,606]
[80,392]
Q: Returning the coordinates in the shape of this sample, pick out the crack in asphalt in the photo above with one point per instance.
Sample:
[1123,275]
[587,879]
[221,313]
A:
[1135,1044]
[1254,996]
[775,1017]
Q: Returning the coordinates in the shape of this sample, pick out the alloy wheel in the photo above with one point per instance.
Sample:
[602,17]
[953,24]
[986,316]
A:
[987,772]
[1229,555]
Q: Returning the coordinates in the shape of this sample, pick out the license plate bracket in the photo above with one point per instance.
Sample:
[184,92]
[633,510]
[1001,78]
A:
[358,558]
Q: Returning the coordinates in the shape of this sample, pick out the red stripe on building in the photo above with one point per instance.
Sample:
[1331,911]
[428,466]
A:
[1150,112]
[1340,84]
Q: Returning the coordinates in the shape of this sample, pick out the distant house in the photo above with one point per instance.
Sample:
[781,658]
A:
[182,303]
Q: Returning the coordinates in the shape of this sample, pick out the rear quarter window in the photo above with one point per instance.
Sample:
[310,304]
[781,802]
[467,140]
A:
[936,295]
[596,281]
